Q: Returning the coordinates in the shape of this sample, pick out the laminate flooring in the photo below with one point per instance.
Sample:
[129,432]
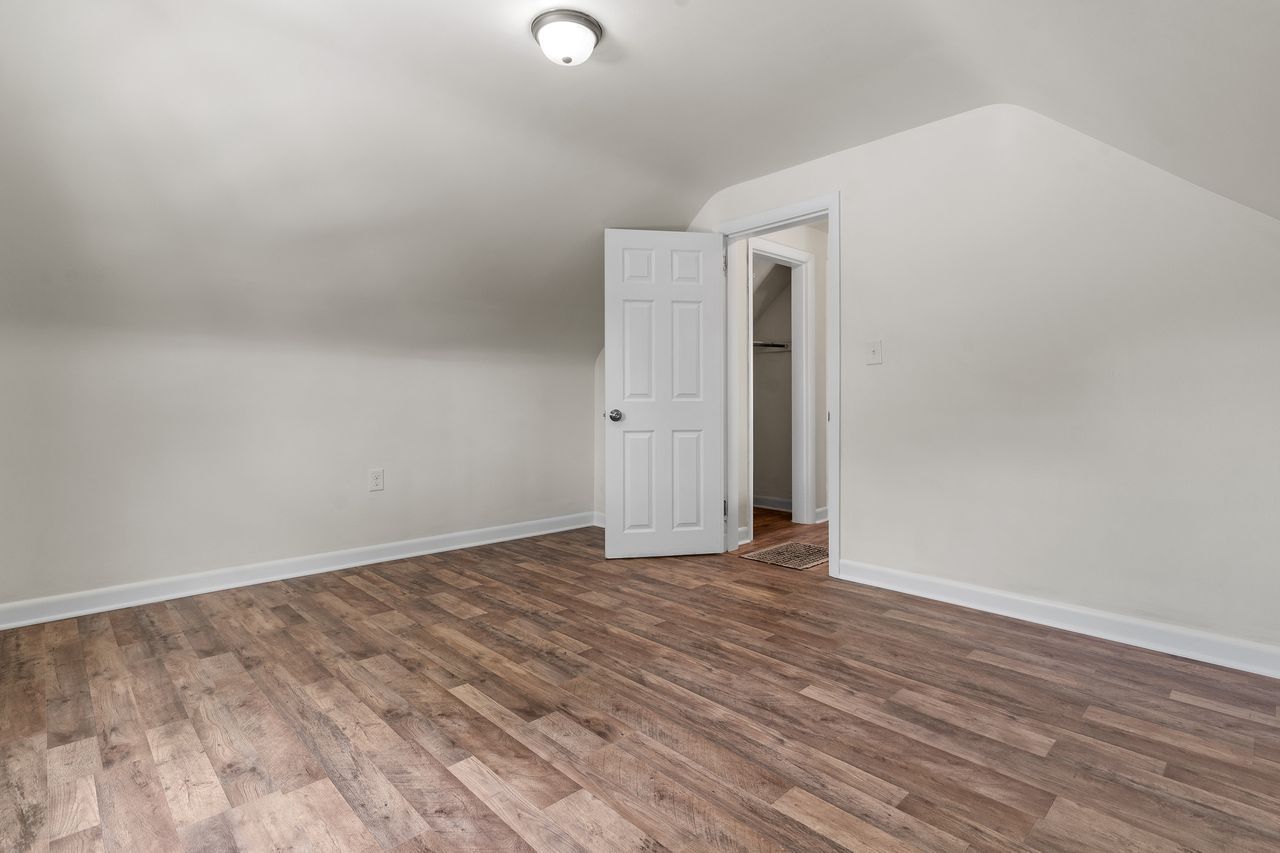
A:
[531,695]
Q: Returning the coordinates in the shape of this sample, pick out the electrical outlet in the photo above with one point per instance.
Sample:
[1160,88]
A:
[376,480]
[875,352]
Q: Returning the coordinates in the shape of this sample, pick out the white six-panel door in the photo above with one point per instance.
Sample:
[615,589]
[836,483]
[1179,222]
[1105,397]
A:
[664,393]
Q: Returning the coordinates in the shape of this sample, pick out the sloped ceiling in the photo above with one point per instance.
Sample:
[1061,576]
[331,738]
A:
[775,282]
[412,173]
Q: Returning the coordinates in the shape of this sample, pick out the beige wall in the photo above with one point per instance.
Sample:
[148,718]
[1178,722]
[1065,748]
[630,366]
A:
[131,457]
[1079,398]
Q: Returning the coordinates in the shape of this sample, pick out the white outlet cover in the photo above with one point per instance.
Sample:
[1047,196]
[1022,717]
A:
[875,352]
[377,480]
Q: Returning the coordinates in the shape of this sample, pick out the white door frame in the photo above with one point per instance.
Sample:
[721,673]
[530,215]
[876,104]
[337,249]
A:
[739,337]
[804,473]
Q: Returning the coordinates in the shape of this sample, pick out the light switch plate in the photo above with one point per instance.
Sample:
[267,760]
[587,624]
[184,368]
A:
[875,352]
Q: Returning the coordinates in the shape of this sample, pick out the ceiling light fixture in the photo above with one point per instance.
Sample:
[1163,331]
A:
[567,37]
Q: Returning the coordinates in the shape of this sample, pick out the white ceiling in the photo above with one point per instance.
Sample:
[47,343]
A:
[413,173]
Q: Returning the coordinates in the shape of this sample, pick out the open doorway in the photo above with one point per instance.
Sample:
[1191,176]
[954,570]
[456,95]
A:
[772,460]
[818,219]
[786,445]
[679,335]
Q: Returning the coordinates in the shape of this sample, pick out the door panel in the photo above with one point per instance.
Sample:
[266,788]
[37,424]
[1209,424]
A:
[686,476]
[664,374]
[638,482]
[638,349]
[686,351]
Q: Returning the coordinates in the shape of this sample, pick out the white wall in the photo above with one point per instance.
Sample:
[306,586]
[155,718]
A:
[134,456]
[217,312]
[1079,397]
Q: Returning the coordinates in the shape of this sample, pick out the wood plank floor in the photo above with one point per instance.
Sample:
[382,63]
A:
[530,695]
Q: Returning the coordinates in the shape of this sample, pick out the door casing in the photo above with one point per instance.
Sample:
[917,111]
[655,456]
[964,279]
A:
[738,341]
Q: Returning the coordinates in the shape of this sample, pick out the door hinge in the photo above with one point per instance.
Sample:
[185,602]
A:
[725,264]
[726,509]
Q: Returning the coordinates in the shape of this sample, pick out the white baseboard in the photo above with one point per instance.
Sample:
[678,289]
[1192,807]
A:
[1232,652]
[785,505]
[35,610]
[597,519]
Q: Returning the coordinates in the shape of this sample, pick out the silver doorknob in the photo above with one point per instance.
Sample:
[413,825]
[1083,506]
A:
[615,416]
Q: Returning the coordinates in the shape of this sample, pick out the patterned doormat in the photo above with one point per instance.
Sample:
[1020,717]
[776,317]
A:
[790,555]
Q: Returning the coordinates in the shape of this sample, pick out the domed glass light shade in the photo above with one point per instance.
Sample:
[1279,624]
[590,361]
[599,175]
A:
[567,37]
